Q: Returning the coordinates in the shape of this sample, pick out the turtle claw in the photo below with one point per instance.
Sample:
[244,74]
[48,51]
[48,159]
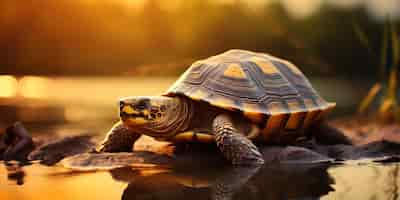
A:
[236,147]
[246,154]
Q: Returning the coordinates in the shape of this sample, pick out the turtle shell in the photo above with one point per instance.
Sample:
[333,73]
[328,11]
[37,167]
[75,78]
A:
[270,91]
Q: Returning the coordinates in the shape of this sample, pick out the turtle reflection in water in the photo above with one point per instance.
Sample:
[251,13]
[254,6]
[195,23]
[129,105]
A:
[268,182]
[232,99]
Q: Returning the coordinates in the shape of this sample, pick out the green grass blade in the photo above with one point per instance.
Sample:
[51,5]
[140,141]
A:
[384,49]
[363,38]
[395,45]
[392,85]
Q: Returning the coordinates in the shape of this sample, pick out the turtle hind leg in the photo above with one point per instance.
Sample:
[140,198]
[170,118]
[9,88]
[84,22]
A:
[118,139]
[235,146]
[329,135]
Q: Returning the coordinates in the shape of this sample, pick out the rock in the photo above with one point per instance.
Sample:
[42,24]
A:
[391,133]
[16,143]
[51,152]
[294,155]
[73,150]
[107,161]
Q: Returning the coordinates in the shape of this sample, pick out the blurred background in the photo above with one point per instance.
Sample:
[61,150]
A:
[68,61]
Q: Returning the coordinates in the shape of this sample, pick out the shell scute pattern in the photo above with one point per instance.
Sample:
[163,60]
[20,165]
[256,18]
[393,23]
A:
[261,86]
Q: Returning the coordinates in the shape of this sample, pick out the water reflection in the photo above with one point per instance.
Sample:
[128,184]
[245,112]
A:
[15,172]
[270,182]
[371,181]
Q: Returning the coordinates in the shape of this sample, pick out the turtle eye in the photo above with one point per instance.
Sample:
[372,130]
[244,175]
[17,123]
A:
[141,106]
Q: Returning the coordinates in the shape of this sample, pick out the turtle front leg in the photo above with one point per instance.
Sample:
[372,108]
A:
[235,147]
[118,139]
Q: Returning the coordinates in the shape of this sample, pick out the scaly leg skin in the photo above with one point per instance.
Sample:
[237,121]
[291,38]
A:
[328,135]
[235,147]
[118,139]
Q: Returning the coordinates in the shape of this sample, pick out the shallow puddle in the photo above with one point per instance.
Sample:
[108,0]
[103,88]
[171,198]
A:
[351,181]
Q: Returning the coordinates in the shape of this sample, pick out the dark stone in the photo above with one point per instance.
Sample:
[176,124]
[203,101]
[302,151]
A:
[54,151]
[15,143]
[193,155]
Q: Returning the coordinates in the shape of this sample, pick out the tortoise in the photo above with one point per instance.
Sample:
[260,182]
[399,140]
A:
[235,100]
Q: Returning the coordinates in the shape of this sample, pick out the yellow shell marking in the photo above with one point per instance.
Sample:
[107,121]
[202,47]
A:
[235,71]
[322,104]
[198,94]
[252,112]
[275,120]
[311,114]
[296,113]
[273,125]
[310,117]
[325,111]
[223,102]
[293,67]
[276,108]
[309,103]
[266,66]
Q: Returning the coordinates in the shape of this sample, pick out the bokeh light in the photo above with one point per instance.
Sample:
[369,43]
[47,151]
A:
[299,9]
[8,86]
[34,86]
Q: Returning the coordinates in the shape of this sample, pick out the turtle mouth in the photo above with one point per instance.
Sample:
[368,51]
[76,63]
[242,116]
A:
[133,117]
[128,116]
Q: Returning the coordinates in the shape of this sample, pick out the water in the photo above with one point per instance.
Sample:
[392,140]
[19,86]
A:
[70,106]
[271,182]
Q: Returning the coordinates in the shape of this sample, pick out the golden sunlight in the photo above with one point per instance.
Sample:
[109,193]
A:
[138,4]
[34,87]
[300,9]
[8,86]
[75,114]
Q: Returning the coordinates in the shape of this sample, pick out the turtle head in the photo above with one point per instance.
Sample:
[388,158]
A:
[144,110]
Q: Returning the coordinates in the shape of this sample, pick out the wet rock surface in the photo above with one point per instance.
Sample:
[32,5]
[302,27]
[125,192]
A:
[51,152]
[16,143]
[74,151]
